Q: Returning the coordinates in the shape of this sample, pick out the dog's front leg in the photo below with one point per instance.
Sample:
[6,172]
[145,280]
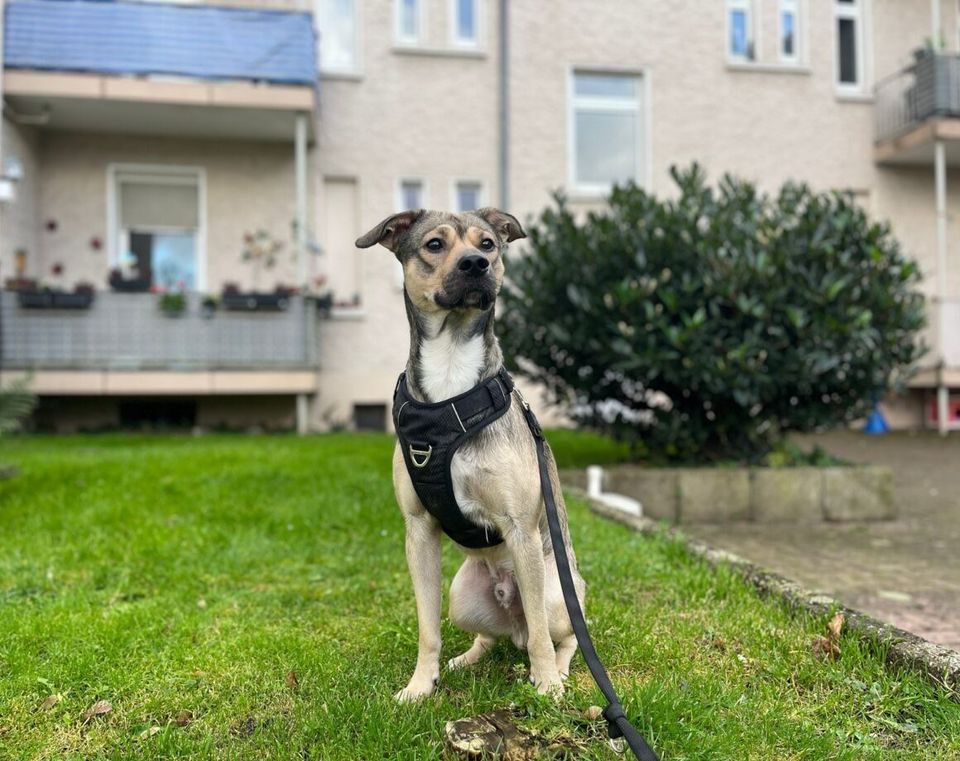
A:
[423,559]
[527,551]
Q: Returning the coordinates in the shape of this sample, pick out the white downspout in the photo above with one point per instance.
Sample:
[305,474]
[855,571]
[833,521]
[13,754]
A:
[940,175]
[300,162]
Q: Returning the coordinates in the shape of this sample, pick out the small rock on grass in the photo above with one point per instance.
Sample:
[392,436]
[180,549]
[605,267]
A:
[97,709]
[149,732]
[50,701]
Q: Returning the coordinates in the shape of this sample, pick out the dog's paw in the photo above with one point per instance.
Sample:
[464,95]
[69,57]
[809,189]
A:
[418,688]
[548,684]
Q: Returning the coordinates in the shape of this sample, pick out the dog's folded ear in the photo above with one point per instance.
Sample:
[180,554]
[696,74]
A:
[390,231]
[506,225]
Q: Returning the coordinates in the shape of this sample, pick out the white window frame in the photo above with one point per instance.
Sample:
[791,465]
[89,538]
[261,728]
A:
[398,33]
[355,67]
[792,7]
[455,38]
[642,107]
[455,192]
[753,38]
[855,12]
[174,174]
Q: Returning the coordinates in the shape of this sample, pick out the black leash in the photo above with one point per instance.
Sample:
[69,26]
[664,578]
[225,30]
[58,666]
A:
[617,723]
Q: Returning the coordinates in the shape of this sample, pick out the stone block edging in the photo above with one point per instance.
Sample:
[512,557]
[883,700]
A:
[939,664]
[720,495]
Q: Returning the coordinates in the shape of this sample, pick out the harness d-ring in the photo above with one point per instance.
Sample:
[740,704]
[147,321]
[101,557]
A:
[423,453]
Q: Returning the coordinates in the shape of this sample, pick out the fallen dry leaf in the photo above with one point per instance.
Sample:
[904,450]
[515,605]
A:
[593,713]
[148,733]
[50,701]
[834,627]
[291,680]
[183,718]
[825,647]
[97,709]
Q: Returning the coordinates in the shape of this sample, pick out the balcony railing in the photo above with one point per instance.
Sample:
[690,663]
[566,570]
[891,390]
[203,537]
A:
[929,88]
[130,332]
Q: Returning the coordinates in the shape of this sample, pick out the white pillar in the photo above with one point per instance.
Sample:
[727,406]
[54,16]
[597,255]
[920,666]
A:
[940,176]
[300,161]
[936,32]
[303,414]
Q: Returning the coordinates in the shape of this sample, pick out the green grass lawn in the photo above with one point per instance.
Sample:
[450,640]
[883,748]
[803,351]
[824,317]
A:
[182,579]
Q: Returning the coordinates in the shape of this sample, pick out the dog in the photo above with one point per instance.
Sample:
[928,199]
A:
[452,273]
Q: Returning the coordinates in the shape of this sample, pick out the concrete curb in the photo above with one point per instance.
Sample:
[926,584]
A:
[939,664]
[779,495]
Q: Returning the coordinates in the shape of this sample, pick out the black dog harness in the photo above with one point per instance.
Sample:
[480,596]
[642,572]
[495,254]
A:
[429,436]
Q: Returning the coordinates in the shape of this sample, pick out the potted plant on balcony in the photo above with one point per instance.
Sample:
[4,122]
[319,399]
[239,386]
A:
[260,250]
[120,284]
[172,303]
[53,296]
[208,306]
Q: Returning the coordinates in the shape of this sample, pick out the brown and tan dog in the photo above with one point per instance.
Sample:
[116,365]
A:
[453,271]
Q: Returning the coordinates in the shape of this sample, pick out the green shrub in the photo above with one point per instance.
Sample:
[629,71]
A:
[712,324]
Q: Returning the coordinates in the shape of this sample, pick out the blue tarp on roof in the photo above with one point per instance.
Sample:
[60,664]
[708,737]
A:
[151,38]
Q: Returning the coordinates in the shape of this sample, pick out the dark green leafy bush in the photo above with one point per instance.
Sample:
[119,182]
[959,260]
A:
[712,324]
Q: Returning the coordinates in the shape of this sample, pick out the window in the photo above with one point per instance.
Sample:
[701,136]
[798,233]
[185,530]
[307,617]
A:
[849,44]
[464,22]
[467,195]
[156,225]
[789,40]
[337,21]
[740,29]
[607,130]
[410,195]
[409,21]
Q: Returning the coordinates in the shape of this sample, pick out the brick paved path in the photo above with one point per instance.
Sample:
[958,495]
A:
[906,571]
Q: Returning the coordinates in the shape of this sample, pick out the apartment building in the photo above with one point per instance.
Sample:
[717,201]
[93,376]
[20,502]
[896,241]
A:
[253,155]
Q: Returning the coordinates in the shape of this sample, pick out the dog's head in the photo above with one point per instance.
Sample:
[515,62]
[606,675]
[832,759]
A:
[450,261]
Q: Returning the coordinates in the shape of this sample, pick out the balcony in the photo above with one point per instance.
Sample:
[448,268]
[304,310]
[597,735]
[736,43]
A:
[915,108]
[159,68]
[125,344]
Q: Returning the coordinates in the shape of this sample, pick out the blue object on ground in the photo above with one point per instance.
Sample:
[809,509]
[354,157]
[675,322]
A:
[876,423]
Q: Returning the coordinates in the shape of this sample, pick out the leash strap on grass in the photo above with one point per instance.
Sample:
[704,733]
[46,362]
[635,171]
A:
[617,723]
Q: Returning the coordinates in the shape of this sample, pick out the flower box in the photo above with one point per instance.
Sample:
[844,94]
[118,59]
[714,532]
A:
[54,300]
[253,301]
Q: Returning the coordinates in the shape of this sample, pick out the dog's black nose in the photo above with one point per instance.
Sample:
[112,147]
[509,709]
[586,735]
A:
[473,265]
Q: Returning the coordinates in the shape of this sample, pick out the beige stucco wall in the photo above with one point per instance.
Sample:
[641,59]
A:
[435,117]
[19,226]
[249,186]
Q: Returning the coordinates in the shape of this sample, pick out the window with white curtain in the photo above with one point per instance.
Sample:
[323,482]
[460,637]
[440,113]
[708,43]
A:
[409,21]
[608,130]
[740,30]
[464,23]
[338,28]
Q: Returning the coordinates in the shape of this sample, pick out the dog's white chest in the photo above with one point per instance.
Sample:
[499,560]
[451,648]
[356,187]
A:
[449,366]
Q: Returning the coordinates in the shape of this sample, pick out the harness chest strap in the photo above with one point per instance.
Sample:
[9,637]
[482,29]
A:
[430,434]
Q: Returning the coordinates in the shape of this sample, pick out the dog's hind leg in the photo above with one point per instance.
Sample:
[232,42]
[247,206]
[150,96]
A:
[565,650]
[481,643]
[474,608]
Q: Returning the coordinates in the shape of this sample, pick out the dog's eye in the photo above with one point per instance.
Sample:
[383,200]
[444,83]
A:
[434,244]
[486,244]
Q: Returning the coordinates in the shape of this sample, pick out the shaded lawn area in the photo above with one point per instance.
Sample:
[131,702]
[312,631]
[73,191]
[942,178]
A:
[184,578]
